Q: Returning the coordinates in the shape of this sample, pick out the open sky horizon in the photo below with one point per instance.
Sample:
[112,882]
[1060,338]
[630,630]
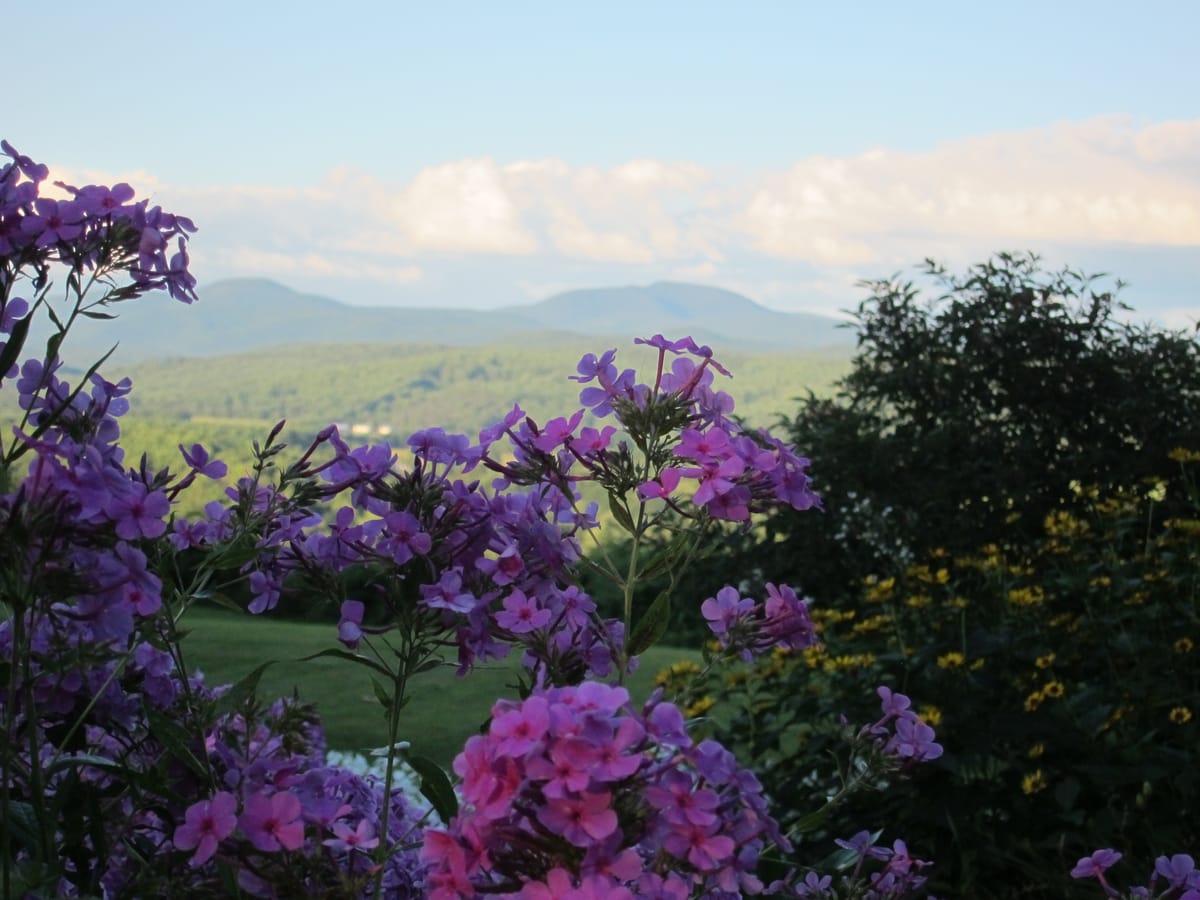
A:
[484,155]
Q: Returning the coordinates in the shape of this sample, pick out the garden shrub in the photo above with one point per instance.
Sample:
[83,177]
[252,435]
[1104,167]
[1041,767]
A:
[1062,675]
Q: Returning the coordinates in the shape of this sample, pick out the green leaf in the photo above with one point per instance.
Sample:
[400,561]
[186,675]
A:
[351,657]
[84,759]
[176,739]
[620,512]
[16,341]
[652,625]
[23,822]
[242,691]
[381,694]
[435,786]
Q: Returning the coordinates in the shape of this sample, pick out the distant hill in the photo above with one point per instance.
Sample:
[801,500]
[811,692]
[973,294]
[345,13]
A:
[253,313]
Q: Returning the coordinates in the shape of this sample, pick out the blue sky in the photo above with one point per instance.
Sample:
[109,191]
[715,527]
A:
[482,154]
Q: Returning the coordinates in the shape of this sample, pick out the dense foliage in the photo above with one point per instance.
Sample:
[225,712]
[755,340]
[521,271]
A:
[1015,539]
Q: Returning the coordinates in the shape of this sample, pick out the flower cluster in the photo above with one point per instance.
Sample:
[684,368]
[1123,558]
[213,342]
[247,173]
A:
[899,876]
[1179,872]
[751,629]
[900,733]
[572,793]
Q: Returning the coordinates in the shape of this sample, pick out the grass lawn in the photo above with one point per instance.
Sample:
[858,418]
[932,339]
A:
[444,709]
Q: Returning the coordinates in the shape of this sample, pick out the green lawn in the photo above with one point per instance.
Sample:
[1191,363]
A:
[444,711]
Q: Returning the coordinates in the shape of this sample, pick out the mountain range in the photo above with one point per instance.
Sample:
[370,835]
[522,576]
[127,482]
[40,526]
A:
[251,313]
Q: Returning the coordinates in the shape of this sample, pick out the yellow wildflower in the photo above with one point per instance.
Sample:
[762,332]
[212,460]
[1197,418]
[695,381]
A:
[1181,715]
[1033,701]
[930,715]
[1044,661]
[952,660]
[942,576]
[1182,455]
[1033,782]
[918,601]
[1036,751]
[1183,645]
[1158,493]
[699,708]
[1053,689]
[976,665]
[1100,581]
[1027,596]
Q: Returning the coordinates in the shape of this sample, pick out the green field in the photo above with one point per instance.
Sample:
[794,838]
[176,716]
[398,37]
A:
[445,709]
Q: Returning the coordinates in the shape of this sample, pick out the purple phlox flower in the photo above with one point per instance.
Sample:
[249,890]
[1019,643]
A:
[580,819]
[894,704]
[125,574]
[348,839]
[11,311]
[704,446]
[350,624]
[99,200]
[863,845]
[520,730]
[1177,869]
[494,432]
[1094,866]
[522,614]
[436,446]
[665,722]
[505,568]
[716,478]
[448,594]
[206,824]
[724,611]
[266,589]
[197,458]
[787,622]
[558,432]
[403,537]
[273,821]
[139,513]
[591,440]
[35,172]
[591,367]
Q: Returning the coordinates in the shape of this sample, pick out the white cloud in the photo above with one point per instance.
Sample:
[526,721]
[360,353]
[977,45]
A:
[1100,180]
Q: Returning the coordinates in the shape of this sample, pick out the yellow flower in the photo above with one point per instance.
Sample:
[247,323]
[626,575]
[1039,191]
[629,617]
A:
[1181,455]
[942,576]
[1183,645]
[1053,689]
[1029,596]
[699,708]
[879,591]
[1100,581]
[952,660]
[1033,782]
[1033,701]
[1158,493]
[872,624]
[930,715]
[1181,715]
[1036,751]
[959,602]
[976,665]
[1045,661]
[1189,526]
[918,601]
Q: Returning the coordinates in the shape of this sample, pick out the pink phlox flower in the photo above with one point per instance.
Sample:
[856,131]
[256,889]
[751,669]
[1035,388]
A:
[717,478]
[506,568]
[591,440]
[701,846]
[558,432]
[664,485]
[580,819]
[565,769]
[273,821]
[449,876]
[704,446]
[612,761]
[520,730]
[560,885]
[206,824]
[522,614]
[787,622]
[348,839]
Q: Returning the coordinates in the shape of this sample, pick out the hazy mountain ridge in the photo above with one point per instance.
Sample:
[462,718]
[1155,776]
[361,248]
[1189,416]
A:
[247,314]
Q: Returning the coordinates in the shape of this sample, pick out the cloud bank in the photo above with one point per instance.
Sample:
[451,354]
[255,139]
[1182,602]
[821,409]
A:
[1107,182]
